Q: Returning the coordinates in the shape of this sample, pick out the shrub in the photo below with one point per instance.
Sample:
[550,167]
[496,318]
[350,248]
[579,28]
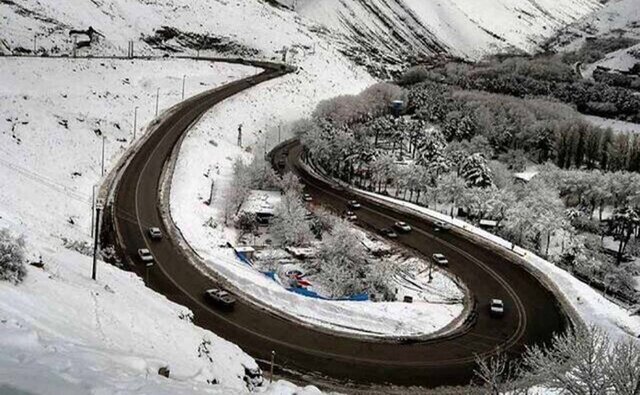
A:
[12,257]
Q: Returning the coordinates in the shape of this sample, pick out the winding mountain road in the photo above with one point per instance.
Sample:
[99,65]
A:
[532,316]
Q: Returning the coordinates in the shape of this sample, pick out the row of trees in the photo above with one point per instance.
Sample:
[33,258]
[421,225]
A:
[545,77]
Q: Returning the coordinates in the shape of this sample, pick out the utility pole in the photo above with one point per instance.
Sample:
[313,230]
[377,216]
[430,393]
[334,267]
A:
[103,140]
[75,44]
[93,209]
[135,122]
[157,100]
[96,241]
[35,44]
[211,192]
[184,77]
[273,360]
[147,267]
[240,135]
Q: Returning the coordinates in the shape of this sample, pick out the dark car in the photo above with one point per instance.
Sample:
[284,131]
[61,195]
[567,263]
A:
[220,297]
[388,232]
[496,308]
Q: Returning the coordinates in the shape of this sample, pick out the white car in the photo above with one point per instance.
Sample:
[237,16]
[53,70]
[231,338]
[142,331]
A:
[145,255]
[307,198]
[353,204]
[155,233]
[496,308]
[402,227]
[350,216]
[441,225]
[440,259]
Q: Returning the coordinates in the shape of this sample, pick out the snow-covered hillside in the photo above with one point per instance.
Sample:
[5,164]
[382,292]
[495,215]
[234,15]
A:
[614,18]
[60,332]
[459,27]
[59,325]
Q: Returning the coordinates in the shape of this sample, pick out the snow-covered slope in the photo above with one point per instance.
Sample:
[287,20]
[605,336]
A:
[459,27]
[59,327]
[60,332]
[614,18]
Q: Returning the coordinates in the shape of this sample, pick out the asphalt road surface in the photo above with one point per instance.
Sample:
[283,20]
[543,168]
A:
[532,313]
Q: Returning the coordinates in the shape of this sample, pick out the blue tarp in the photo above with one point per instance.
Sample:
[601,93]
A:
[243,258]
[363,297]
[354,298]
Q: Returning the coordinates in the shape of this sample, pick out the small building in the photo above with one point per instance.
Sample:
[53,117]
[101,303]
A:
[246,251]
[488,224]
[262,204]
[302,252]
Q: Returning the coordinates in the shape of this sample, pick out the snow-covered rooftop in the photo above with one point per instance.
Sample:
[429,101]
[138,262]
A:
[261,202]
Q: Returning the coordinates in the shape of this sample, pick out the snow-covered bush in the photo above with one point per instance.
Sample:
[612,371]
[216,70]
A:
[342,262]
[322,222]
[586,361]
[476,172]
[12,257]
[288,226]
[291,183]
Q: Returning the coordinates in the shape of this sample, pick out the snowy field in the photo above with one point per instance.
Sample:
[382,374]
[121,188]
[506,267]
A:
[54,117]
[60,332]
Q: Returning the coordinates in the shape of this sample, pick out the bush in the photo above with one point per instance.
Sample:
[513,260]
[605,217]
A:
[12,257]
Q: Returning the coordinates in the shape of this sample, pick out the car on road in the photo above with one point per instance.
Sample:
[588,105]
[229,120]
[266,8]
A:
[155,233]
[402,227]
[350,216]
[440,259]
[219,297]
[441,226]
[353,204]
[388,232]
[496,308]
[145,255]
[307,198]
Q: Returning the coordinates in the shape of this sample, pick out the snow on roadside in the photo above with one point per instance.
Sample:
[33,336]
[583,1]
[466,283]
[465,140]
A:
[592,306]
[211,148]
[60,332]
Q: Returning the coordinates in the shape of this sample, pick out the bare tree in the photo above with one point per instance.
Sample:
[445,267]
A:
[576,362]
[498,376]
[623,368]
